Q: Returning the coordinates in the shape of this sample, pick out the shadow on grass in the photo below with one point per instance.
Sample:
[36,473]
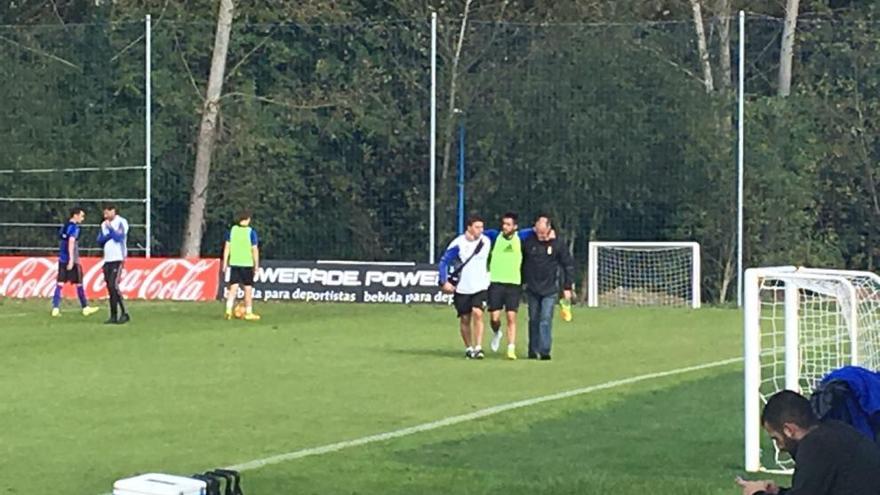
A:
[431,352]
[688,436]
[682,438]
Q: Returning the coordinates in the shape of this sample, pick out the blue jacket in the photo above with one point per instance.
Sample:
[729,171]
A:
[860,407]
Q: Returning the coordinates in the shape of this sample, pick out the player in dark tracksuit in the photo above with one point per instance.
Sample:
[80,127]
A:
[543,258]
[112,237]
[831,457]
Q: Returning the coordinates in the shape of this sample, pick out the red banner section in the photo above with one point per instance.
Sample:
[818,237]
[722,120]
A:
[142,278]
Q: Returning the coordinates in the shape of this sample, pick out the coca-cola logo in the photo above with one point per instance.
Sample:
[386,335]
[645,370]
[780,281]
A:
[180,280]
[31,277]
[172,279]
[93,279]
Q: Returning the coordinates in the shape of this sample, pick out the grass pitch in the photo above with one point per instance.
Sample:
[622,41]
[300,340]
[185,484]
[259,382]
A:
[179,390]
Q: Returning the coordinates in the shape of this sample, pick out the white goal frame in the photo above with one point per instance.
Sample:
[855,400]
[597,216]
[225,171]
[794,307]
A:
[794,278]
[593,265]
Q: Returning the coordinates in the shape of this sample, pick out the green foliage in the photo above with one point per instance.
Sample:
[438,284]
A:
[70,103]
[324,126]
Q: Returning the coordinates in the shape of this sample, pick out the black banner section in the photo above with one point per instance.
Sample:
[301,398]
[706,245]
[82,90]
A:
[344,281]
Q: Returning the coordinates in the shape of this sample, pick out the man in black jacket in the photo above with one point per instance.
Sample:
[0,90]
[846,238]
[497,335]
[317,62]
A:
[830,457]
[542,259]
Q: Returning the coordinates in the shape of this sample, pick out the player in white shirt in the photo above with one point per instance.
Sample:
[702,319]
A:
[112,237]
[464,271]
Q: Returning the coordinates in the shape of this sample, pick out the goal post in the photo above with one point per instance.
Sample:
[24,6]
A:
[643,274]
[799,325]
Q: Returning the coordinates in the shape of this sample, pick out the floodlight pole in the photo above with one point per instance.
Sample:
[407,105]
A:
[147,158]
[740,159]
[432,154]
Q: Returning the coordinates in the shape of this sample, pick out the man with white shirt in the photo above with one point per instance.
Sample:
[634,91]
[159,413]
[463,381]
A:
[112,237]
[464,270]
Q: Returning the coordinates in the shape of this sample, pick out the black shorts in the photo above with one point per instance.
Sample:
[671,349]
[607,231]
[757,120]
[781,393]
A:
[112,271]
[72,276]
[242,275]
[465,303]
[504,296]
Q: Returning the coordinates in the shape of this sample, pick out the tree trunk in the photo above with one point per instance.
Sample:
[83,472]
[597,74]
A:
[453,88]
[195,222]
[723,12]
[572,239]
[702,46]
[727,273]
[864,148]
[787,52]
[595,223]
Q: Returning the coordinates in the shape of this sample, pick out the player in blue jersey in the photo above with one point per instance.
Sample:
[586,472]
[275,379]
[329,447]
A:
[69,269]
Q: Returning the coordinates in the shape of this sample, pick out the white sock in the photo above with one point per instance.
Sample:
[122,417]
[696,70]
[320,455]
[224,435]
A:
[478,348]
[249,309]
[511,347]
[469,349]
[229,305]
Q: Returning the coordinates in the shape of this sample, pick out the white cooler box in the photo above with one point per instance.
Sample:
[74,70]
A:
[159,484]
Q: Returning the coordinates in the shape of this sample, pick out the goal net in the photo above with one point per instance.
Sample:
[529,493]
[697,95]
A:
[644,274]
[800,324]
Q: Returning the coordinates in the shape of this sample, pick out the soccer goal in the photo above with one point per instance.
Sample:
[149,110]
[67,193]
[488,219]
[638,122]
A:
[800,324]
[644,274]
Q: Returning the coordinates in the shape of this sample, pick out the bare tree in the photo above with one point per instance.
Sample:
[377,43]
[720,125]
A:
[787,52]
[724,257]
[702,46]
[727,251]
[453,88]
[723,14]
[195,222]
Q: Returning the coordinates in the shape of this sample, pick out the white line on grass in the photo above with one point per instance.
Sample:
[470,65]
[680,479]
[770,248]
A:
[13,315]
[482,413]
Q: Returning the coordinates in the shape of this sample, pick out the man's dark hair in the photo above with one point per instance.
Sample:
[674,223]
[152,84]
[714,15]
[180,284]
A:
[542,215]
[788,407]
[109,207]
[243,215]
[76,210]
[474,219]
[511,215]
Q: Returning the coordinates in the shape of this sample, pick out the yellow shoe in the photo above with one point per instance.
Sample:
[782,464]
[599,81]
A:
[56,312]
[227,315]
[251,317]
[565,310]
[511,353]
[89,310]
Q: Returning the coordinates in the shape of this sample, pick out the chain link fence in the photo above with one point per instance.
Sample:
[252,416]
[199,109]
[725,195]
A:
[324,133]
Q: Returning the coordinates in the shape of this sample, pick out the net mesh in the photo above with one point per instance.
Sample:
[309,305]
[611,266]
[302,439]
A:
[830,305]
[74,132]
[644,275]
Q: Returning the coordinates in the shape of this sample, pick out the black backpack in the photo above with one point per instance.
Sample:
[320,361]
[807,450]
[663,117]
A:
[227,479]
[213,485]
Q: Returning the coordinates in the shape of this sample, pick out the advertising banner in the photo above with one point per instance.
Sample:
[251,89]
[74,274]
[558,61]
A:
[172,279]
[354,282]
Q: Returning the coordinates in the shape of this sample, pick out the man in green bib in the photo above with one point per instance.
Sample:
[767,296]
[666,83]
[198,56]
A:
[241,257]
[505,265]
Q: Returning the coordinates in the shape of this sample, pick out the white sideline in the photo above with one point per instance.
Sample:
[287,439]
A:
[13,315]
[482,413]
